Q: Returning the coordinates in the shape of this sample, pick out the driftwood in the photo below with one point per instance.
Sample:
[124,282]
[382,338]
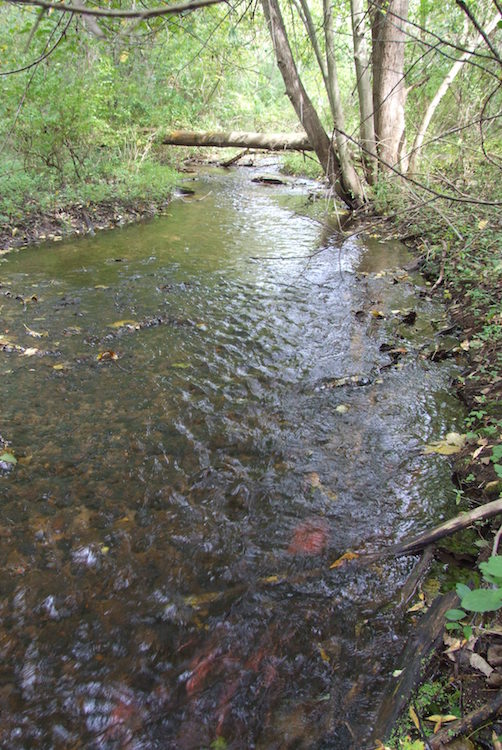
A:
[265,141]
[466,725]
[488,510]
[424,641]
[234,159]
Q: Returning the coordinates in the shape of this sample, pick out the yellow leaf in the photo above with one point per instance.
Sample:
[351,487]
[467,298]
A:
[453,443]
[31,351]
[323,654]
[124,56]
[343,559]
[101,286]
[377,314]
[122,323]
[58,367]
[417,607]
[269,579]
[482,224]
[414,717]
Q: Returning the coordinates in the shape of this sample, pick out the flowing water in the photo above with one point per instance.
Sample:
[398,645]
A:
[206,423]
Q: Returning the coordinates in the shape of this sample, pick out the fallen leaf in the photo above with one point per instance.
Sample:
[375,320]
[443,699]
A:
[417,607]
[477,662]
[440,720]
[35,334]
[343,559]
[123,323]
[31,351]
[377,314]
[453,443]
[310,537]
[107,355]
[8,458]
[414,717]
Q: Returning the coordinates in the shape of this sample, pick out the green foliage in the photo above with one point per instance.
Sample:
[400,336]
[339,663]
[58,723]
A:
[478,600]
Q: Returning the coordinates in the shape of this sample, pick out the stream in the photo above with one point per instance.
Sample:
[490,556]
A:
[207,410]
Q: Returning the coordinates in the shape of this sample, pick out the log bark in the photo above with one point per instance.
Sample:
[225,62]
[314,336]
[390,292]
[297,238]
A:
[422,643]
[468,724]
[231,138]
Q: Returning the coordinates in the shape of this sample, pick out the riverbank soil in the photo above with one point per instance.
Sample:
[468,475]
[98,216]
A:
[459,250]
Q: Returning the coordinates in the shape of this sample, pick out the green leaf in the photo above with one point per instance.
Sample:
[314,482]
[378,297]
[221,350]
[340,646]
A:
[498,470]
[452,626]
[482,600]
[455,614]
[496,453]
[492,567]
[467,632]
[8,458]
[462,589]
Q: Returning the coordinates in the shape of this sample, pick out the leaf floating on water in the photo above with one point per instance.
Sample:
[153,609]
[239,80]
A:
[8,458]
[123,324]
[35,334]
[31,351]
[107,355]
[453,443]
[343,559]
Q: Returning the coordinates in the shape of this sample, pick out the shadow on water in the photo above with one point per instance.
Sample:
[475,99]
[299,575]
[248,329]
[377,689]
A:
[168,529]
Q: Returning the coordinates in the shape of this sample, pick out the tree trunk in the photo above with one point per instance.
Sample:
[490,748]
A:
[302,105]
[389,90]
[445,85]
[267,142]
[361,60]
[350,178]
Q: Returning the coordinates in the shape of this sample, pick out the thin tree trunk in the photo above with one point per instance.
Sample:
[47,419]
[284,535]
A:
[350,178]
[361,60]
[389,89]
[302,105]
[445,85]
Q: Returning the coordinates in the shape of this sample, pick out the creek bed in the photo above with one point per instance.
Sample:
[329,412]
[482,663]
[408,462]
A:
[220,403]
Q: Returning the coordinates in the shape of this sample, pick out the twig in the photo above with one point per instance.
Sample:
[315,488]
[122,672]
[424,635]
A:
[440,278]
[496,541]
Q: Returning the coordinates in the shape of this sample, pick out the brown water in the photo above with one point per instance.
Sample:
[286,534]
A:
[167,532]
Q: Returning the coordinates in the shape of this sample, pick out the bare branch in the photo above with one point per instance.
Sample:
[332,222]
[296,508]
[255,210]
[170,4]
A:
[166,10]
[470,15]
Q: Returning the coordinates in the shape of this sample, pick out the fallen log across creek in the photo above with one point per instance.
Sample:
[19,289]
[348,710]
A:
[238,139]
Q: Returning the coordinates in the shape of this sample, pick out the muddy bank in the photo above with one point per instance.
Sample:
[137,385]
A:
[77,220]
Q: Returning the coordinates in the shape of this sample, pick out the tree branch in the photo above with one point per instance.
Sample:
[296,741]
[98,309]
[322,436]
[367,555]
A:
[166,10]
